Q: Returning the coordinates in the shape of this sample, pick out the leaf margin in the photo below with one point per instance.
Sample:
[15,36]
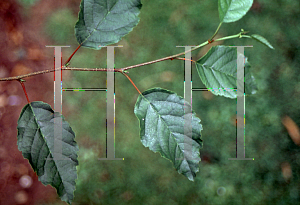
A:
[262,40]
[142,131]
[222,14]
[43,174]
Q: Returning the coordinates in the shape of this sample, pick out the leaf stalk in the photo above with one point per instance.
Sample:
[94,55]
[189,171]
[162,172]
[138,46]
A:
[215,32]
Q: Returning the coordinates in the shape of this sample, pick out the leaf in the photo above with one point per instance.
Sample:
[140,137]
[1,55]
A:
[104,22]
[233,10]
[161,115]
[218,72]
[36,142]
[262,40]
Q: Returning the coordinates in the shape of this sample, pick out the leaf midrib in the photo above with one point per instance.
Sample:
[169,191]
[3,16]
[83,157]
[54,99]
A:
[166,126]
[45,141]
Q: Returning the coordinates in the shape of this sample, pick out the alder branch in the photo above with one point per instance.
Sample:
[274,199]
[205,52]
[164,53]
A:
[165,58]
[121,70]
[52,70]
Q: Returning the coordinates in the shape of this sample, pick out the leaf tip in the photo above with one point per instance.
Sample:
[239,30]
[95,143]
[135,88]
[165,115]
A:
[262,40]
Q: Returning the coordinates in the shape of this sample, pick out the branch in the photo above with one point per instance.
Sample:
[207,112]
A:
[19,77]
[52,70]
[121,70]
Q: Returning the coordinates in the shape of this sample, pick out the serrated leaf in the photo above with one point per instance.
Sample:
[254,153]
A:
[262,40]
[161,115]
[36,142]
[218,72]
[233,10]
[104,22]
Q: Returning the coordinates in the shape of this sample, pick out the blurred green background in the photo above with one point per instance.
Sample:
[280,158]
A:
[146,178]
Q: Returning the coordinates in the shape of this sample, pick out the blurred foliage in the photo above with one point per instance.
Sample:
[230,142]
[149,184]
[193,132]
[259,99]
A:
[146,178]
[28,3]
[60,26]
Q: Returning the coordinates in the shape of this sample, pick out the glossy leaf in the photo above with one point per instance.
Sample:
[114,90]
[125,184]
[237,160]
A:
[233,10]
[262,40]
[161,115]
[218,72]
[36,142]
[104,22]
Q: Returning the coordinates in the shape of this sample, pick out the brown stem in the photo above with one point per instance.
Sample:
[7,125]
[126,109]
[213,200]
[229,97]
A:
[51,70]
[158,60]
[66,68]
[239,35]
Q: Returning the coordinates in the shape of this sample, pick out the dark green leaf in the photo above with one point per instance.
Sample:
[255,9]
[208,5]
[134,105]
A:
[104,22]
[161,115]
[262,40]
[233,10]
[218,72]
[36,142]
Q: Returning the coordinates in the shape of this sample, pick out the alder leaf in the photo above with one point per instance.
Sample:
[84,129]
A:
[36,142]
[262,40]
[161,115]
[218,71]
[104,22]
[233,10]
